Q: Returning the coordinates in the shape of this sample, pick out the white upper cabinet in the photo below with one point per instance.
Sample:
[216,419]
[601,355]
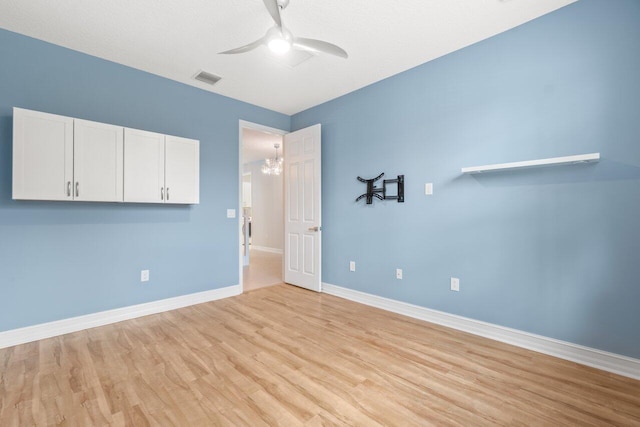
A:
[160,168]
[42,156]
[143,166]
[62,158]
[97,161]
[182,165]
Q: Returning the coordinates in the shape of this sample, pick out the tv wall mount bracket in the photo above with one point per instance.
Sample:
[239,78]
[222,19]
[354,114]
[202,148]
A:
[381,192]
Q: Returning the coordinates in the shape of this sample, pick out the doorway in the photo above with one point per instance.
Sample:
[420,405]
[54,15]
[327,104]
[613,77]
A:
[245,240]
[261,200]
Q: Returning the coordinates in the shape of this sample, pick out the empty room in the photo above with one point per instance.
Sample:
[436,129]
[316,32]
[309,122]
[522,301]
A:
[319,213]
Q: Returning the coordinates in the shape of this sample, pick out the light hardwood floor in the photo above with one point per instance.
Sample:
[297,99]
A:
[286,356]
[264,269]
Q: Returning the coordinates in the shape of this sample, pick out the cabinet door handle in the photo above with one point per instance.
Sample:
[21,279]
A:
[68,188]
[161,193]
[167,193]
[77,189]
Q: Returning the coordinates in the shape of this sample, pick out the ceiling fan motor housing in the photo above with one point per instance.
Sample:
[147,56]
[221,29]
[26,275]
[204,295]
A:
[283,4]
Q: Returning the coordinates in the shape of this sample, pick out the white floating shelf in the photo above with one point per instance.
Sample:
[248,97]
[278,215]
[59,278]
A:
[567,160]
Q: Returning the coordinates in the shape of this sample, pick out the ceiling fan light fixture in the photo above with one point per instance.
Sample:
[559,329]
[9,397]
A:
[279,40]
[279,46]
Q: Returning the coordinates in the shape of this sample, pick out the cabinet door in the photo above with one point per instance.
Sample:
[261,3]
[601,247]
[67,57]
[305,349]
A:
[42,155]
[143,166]
[182,170]
[97,162]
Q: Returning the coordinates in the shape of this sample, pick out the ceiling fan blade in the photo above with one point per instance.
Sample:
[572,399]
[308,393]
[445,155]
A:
[245,48]
[319,46]
[274,11]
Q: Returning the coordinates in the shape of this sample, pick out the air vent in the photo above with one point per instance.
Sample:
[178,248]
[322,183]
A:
[207,78]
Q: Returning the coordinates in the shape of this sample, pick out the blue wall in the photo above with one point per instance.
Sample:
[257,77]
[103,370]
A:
[552,251]
[64,259]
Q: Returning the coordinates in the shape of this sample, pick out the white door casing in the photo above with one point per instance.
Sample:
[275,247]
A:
[242,124]
[246,224]
[302,201]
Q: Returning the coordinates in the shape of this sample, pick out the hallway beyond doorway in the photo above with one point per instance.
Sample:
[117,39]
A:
[264,270]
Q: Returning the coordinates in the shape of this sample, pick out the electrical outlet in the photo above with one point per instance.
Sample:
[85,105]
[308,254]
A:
[352,266]
[399,273]
[231,213]
[455,284]
[144,276]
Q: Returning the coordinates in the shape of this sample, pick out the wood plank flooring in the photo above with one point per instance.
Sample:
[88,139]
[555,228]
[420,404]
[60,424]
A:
[264,269]
[286,356]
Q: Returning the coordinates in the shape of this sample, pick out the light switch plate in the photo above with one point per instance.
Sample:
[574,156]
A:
[352,266]
[399,273]
[231,213]
[428,188]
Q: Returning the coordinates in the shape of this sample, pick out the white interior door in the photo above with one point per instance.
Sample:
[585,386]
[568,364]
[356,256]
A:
[302,201]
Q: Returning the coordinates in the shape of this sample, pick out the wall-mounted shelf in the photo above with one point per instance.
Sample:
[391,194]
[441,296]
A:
[566,160]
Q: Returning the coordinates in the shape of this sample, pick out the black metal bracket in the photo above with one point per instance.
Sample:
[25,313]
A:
[381,193]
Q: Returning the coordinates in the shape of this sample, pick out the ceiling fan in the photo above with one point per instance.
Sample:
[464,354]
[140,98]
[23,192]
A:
[280,40]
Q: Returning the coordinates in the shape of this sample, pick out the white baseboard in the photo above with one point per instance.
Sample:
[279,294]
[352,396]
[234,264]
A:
[266,249]
[74,324]
[611,362]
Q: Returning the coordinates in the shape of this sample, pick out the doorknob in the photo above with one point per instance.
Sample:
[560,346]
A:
[316,228]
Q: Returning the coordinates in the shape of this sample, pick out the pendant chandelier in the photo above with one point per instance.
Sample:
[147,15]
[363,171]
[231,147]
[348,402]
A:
[273,166]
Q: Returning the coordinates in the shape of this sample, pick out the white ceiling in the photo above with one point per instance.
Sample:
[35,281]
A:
[257,145]
[176,39]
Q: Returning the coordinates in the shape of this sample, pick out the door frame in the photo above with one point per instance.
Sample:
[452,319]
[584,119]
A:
[246,233]
[243,124]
